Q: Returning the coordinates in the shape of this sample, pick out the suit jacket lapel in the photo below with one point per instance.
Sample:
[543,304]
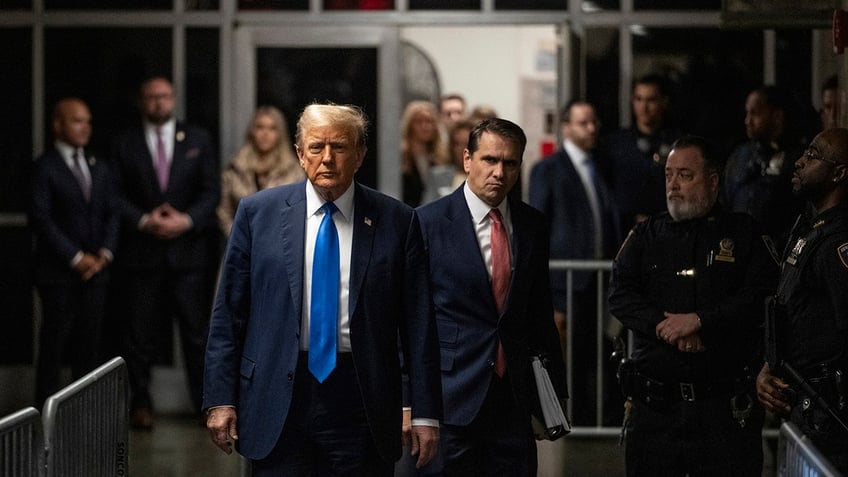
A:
[179,152]
[463,226]
[365,223]
[292,231]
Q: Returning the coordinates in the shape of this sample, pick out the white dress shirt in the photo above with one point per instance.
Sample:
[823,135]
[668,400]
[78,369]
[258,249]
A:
[168,131]
[344,225]
[580,158]
[483,225]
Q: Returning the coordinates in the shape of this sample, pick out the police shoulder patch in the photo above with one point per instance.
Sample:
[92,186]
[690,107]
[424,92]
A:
[842,250]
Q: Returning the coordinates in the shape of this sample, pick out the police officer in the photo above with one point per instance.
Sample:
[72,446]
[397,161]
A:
[690,284]
[813,325]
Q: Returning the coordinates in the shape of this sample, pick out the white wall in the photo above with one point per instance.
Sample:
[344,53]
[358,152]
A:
[486,64]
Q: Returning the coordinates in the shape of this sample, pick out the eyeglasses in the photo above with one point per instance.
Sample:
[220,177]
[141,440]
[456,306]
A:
[810,155]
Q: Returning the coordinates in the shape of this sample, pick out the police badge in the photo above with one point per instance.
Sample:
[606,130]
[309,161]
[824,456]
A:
[725,253]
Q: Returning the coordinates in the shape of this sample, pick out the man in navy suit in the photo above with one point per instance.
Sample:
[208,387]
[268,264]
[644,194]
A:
[568,188]
[75,221]
[488,330]
[169,178]
[261,386]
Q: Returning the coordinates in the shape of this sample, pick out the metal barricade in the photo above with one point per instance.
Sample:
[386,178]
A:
[798,457]
[21,444]
[85,425]
[600,268]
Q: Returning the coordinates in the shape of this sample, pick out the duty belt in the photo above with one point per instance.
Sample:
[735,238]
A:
[649,389]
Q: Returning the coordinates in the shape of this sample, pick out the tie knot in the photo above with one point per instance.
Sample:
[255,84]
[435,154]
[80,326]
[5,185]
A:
[329,208]
[495,215]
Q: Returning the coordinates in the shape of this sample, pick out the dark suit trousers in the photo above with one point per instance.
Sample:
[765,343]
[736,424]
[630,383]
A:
[152,298]
[498,442]
[326,432]
[72,321]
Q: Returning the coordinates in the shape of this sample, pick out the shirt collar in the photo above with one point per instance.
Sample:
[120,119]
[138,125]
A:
[168,128]
[67,151]
[344,203]
[479,209]
[577,155]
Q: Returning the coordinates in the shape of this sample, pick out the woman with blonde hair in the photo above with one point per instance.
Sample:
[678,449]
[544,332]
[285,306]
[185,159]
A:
[266,159]
[421,149]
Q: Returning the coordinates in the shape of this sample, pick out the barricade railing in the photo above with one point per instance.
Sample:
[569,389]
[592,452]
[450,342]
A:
[798,457]
[85,425]
[21,444]
[601,269]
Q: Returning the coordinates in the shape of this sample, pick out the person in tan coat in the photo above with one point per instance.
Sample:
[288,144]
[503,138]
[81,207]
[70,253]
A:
[266,159]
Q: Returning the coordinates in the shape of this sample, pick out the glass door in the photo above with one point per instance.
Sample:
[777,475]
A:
[290,67]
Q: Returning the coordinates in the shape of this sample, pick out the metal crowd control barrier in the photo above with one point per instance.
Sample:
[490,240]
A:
[21,444]
[797,457]
[600,268]
[85,425]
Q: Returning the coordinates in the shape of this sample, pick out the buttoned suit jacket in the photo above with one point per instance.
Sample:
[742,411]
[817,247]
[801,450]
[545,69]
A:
[467,316]
[65,223]
[253,344]
[193,188]
[557,190]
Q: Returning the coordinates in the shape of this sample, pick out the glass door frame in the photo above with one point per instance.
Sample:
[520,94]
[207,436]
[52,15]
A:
[385,39]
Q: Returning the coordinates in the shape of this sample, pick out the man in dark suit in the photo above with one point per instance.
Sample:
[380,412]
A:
[75,221]
[169,190]
[284,305]
[584,225]
[488,258]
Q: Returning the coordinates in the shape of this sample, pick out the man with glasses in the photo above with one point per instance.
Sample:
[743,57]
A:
[812,304]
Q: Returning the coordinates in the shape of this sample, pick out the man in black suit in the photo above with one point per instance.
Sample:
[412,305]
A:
[583,220]
[168,176]
[283,307]
[75,221]
[488,258]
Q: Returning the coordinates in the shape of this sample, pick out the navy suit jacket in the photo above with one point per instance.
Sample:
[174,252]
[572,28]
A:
[193,188]
[63,222]
[467,316]
[254,337]
[556,190]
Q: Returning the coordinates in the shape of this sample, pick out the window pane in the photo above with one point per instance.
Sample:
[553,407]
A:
[104,67]
[15,162]
[202,98]
[677,4]
[202,4]
[590,6]
[101,5]
[711,72]
[602,74]
[531,4]
[16,128]
[16,5]
[359,4]
[273,4]
[291,78]
[444,4]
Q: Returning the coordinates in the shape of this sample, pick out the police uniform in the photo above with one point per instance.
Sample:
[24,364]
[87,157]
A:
[814,325]
[681,421]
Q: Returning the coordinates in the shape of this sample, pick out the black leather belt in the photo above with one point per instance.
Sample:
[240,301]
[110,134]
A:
[652,389]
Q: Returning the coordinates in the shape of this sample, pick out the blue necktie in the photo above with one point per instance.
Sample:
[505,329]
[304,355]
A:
[324,305]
